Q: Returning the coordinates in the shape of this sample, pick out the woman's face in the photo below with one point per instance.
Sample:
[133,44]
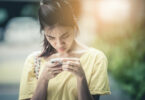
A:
[60,37]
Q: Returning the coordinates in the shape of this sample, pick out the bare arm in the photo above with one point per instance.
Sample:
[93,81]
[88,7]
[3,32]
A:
[73,65]
[83,91]
[49,72]
[41,90]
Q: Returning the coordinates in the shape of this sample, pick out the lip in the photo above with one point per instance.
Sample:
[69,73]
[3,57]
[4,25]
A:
[61,49]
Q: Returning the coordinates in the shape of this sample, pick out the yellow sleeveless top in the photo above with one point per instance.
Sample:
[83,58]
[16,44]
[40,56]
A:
[64,85]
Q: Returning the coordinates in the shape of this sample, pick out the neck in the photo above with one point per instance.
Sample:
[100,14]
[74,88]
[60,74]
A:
[75,46]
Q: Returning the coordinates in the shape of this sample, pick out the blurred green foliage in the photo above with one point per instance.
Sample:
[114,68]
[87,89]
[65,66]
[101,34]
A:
[126,57]
[30,10]
[3,15]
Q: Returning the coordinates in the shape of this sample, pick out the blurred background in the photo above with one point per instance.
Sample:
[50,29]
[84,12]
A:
[117,27]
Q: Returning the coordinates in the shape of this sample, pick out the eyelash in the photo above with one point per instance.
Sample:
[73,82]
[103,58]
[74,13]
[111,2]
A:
[65,36]
[52,38]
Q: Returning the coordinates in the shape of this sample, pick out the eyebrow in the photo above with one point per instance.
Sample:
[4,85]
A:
[60,36]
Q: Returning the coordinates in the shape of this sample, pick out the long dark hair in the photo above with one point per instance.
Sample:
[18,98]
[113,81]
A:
[52,12]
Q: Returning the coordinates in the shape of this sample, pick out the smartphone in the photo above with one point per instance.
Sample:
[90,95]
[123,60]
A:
[58,60]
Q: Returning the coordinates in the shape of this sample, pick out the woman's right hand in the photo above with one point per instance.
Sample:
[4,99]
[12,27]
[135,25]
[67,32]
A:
[51,70]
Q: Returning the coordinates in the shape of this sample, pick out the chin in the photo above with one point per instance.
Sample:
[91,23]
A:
[63,51]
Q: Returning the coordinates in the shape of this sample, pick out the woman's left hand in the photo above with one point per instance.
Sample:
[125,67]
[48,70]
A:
[73,65]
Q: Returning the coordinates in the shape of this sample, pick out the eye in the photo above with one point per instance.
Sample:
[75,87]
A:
[65,36]
[51,38]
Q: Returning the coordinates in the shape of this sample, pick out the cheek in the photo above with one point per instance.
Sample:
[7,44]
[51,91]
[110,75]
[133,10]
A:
[69,40]
[51,42]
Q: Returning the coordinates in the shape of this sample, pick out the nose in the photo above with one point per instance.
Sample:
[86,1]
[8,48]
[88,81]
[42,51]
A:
[59,43]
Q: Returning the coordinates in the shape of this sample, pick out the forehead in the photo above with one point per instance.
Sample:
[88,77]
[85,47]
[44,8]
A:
[57,30]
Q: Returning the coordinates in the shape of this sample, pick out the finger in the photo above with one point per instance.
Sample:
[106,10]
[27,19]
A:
[56,68]
[55,60]
[64,67]
[70,59]
[49,64]
[70,70]
[55,65]
[58,71]
[71,63]
[67,67]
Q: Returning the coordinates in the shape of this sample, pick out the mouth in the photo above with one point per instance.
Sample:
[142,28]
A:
[61,49]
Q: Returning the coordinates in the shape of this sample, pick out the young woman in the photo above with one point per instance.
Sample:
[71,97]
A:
[80,72]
